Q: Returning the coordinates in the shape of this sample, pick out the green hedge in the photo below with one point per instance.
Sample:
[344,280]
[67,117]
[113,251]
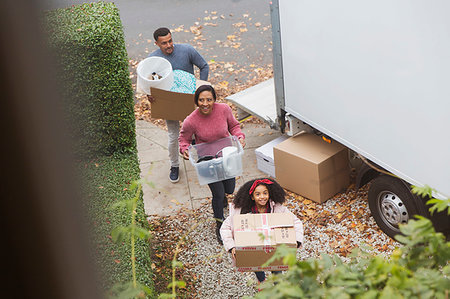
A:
[106,181]
[96,90]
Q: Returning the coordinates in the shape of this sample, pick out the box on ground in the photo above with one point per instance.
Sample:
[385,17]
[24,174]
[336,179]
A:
[264,156]
[173,105]
[307,165]
[257,237]
[218,160]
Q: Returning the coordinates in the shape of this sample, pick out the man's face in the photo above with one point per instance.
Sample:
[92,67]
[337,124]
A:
[165,43]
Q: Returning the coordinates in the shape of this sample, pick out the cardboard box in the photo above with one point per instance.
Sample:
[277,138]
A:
[264,156]
[173,105]
[307,165]
[253,250]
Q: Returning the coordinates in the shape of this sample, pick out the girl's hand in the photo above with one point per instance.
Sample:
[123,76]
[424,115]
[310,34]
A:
[233,253]
[242,141]
[186,155]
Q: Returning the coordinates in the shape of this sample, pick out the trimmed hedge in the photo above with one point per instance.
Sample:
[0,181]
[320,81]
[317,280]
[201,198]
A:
[106,181]
[89,45]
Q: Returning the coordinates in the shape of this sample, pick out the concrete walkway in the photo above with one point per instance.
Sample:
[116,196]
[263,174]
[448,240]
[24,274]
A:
[161,197]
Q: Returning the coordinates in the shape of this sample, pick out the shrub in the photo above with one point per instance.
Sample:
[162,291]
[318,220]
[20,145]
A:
[96,91]
[420,269]
[107,181]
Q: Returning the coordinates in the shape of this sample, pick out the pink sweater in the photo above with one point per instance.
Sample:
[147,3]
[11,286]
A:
[220,123]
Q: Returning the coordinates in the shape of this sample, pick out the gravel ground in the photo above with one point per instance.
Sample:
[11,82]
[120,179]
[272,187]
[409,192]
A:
[336,226]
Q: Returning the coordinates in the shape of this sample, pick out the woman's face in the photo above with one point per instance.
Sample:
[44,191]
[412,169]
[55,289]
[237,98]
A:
[261,196]
[205,102]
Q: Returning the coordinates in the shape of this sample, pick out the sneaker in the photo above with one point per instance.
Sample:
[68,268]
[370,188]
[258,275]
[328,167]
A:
[173,176]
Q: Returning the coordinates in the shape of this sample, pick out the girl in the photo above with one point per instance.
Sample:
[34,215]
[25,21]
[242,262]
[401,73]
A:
[211,121]
[257,196]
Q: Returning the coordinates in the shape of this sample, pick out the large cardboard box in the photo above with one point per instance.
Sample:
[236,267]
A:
[307,165]
[256,238]
[264,156]
[173,105]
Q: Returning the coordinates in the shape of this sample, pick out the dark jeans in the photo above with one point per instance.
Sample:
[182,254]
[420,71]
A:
[262,276]
[218,190]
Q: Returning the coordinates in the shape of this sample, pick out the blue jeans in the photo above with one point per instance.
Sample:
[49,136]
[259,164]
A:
[262,276]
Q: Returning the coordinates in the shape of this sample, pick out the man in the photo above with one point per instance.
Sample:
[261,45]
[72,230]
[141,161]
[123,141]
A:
[182,57]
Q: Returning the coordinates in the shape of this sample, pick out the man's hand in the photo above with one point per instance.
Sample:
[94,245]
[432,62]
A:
[233,253]
[150,98]
[242,141]
[186,155]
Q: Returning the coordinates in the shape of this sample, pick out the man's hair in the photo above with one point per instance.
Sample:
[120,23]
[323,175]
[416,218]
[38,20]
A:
[202,89]
[163,31]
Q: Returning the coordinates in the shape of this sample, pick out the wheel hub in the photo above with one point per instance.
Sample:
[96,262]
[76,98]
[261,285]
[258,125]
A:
[393,209]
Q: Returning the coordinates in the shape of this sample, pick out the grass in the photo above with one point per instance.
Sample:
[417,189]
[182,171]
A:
[106,181]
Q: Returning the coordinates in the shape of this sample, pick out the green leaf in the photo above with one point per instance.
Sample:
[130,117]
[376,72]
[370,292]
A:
[178,284]
[176,264]
[123,204]
[439,205]
[425,191]
[120,234]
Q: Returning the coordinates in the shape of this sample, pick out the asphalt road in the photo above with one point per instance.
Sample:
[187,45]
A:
[237,32]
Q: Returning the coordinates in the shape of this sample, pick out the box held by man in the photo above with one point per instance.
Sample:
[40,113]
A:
[173,105]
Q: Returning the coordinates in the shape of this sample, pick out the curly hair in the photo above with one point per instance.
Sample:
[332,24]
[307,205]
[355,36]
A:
[244,200]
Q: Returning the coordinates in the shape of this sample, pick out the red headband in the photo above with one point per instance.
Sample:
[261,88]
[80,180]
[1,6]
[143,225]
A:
[258,182]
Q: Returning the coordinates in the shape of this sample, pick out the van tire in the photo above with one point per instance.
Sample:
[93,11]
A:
[392,203]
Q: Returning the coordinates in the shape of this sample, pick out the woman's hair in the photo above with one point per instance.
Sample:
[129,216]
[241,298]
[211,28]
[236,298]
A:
[202,89]
[243,198]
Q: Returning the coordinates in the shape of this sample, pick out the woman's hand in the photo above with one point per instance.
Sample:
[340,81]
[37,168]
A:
[186,155]
[150,98]
[242,141]
[233,253]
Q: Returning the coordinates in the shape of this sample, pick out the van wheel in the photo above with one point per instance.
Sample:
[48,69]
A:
[391,203]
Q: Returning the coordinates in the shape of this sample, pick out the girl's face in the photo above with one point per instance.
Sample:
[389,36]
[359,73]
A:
[205,102]
[261,196]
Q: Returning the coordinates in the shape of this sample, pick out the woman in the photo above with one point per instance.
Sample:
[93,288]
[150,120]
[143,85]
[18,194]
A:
[211,121]
[258,196]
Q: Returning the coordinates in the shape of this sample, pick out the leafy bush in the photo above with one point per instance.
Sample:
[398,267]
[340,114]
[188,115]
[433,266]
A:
[96,90]
[107,181]
[420,269]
